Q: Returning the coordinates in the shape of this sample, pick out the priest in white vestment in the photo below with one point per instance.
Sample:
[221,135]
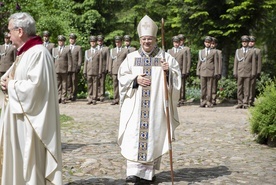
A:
[143,133]
[29,125]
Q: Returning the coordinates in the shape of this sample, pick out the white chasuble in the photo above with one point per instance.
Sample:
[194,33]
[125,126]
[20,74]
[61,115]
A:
[29,125]
[143,134]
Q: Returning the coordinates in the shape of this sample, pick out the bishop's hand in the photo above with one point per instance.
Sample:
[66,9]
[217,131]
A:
[143,80]
[164,65]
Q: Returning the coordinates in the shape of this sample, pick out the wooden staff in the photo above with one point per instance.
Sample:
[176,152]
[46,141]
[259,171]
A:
[167,101]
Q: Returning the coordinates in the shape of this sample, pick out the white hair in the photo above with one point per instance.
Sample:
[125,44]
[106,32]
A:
[25,21]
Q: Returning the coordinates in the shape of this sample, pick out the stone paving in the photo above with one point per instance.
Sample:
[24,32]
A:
[213,146]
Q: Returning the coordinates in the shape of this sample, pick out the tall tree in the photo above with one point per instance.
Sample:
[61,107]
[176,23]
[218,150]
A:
[227,20]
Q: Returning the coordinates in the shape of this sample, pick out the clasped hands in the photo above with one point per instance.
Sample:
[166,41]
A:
[143,79]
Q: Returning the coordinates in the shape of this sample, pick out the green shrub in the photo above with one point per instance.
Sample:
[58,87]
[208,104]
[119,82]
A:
[82,87]
[82,95]
[260,84]
[227,89]
[109,87]
[263,114]
[193,93]
[192,88]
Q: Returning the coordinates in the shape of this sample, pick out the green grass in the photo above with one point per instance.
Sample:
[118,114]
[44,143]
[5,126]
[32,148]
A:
[64,118]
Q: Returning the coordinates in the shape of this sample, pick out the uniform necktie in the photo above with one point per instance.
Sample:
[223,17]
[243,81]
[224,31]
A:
[244,50]
[207,51]
[6,47]
[60,50]
[93,50]
[118,50]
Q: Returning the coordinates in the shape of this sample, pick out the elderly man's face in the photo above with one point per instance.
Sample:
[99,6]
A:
[148,43]
[15,34]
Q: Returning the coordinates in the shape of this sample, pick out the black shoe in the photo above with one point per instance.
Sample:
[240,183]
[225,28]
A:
[202,105]
[132,179]
[114,103]
[144,181]
[239,106]
[90,102]
[209,105]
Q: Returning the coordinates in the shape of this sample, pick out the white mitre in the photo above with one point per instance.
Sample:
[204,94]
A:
[147,27]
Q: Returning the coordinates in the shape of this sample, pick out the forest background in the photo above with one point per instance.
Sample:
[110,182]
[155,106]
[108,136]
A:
[227,20]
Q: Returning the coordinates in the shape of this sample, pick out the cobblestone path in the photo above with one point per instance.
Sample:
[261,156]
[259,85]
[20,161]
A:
[213,146]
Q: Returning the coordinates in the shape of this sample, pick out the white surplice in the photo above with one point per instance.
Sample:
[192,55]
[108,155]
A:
[130,102]
[29,126]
